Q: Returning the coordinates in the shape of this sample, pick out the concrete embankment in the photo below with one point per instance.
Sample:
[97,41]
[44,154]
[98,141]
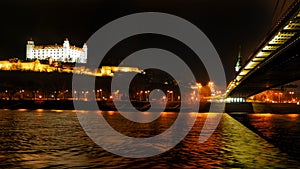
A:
[276,108]
[262,107]
[239,107]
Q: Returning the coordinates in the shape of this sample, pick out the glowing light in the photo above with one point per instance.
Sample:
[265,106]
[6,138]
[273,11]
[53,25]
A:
[82,111]
[263,115]
[193,114]
[251,65]
[293,116]
[244,72]
[110,113]
[164,114]
[146,113]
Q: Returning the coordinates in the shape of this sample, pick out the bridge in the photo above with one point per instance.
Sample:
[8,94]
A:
[274,62]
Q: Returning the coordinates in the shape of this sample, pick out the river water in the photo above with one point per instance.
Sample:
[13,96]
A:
[55,139]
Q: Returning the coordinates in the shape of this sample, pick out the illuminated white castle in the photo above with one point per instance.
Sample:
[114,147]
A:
[62,53]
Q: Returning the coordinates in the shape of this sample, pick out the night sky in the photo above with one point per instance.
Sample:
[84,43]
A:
[228,24]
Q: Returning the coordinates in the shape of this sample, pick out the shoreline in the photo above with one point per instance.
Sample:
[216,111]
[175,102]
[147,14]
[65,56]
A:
[248,107]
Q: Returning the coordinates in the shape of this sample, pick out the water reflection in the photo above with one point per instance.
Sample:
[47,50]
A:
[293,116]
[282,130]
[35,140]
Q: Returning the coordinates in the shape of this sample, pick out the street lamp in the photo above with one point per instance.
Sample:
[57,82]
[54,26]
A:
[86,95]
[291,95]
[147,92]
[99,91]
[170,95]
[75,96]
[141,95]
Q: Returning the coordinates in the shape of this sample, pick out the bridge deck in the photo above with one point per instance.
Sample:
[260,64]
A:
[274,62]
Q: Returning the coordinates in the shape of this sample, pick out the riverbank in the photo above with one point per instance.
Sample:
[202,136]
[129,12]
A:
[143,106]
[69,105]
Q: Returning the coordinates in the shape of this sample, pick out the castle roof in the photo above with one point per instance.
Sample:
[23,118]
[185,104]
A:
[55,47]
[75,48]
[48,47]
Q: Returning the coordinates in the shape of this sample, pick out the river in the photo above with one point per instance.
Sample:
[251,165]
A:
[55,139]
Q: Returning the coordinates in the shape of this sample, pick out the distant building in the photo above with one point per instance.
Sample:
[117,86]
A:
[63,53]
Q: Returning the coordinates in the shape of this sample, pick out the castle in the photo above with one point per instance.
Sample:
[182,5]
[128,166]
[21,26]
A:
[62,53]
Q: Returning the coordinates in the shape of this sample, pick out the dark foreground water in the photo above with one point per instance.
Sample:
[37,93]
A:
[55,139]
[282,130]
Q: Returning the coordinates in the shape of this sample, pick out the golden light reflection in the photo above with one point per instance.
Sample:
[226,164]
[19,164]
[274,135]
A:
[293,116]
[164,114]
[193,114]
[213,114]
[81,111]
[201,115]
[39,114]
[262,115]
[22,110]
[110,113]
[244,145]
[146,113]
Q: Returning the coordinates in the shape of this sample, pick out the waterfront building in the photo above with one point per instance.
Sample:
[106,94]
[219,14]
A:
[62,53]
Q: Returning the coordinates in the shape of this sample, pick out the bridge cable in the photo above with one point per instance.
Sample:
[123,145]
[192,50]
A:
[282,7]
[274,13]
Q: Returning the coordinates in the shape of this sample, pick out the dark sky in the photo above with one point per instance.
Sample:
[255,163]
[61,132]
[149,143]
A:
[228,23]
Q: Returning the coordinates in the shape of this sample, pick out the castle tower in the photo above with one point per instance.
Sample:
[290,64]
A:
[29,49]
[66,47]
[238,63]
[84,54]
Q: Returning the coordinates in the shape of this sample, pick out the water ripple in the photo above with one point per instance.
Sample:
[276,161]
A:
[56,140]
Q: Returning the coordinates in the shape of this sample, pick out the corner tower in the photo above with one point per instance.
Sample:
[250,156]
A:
[66,48]
[84,54]
[29,50]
